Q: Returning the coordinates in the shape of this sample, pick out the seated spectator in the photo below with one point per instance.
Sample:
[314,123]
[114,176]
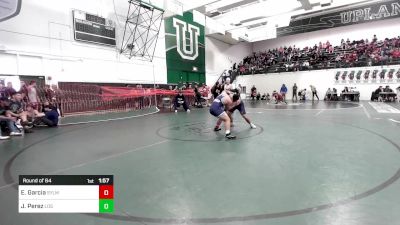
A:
[328,95]
[33,115]
[51,115]
[387,89]
[7,123]
[376,94]
[16,112]
[265,97]
[302,94]
[398,93]
[179,101]
[258,97]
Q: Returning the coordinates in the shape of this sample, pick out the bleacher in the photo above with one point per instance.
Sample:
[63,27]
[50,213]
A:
[350,54]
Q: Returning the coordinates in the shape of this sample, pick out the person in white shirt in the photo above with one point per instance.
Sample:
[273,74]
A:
[228,85]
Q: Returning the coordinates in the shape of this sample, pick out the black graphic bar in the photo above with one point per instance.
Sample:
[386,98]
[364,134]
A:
[66,179]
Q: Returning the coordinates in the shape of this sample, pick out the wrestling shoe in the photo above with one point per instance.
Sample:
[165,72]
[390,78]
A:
[4,137]
[230,136]
[15,134]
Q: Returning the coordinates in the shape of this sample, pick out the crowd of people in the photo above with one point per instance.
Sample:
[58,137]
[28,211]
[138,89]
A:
[29,107]
[322,56]
[280,97]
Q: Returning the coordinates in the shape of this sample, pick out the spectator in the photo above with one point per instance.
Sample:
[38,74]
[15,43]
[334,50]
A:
[294,89]
[33,94]
[374,39]
[283,92]
[16,112]
[33,115]
[258,97]
[179,101]
[215,90]
[253,93]
[2,91]
[10,90]
[24,91]
[58,98]
[49,93]
[328,95]
[398,93]
[198,97]
[387,89]
[303,95]
[314,92]
[51,115]
[228,85]
[376,95]
[7,123]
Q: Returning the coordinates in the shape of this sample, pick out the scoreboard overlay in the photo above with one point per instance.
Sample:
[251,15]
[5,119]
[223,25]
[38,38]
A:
[66,194]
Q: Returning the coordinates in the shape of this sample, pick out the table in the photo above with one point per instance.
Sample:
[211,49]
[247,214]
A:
[352,95]
[66,194]
[387,95]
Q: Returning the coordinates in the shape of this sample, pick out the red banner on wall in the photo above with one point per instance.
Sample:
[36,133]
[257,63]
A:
[109,93]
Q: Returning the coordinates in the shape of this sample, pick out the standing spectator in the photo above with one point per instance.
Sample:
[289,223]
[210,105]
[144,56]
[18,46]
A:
[228,85]
[283,92]
[33,94]
[9,90]
[24,91]
[294,89]
[48,93]
[215,90]
[205,93]
[58,98]
[2,91]
[253,93]
[314,92]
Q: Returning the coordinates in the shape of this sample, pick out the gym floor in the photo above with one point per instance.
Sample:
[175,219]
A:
[322,163]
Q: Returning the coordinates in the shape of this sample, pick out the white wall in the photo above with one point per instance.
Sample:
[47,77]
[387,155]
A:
[221,56]
[39,41]
[386,28]
[321,79]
